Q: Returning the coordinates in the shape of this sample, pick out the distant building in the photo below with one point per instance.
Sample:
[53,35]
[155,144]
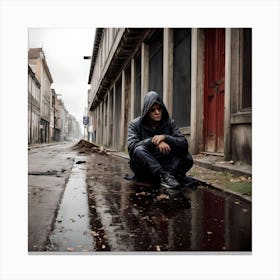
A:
[74,132]
[38,63]
[54,124]
[34,97]
[61,120]
[204,76]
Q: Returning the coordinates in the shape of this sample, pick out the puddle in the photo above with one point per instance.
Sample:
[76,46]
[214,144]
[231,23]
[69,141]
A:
[72,230]
[133,217]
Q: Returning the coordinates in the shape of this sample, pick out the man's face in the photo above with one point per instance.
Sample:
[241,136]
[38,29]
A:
[155,112]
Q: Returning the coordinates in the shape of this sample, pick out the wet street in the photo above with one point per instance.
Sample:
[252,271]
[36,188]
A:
[101,211]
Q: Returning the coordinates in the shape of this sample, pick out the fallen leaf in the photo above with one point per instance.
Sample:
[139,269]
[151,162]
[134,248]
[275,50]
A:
[94,233]
[163,196]
[141,193]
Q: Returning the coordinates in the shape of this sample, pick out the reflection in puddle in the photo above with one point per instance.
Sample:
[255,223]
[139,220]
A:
[133,217]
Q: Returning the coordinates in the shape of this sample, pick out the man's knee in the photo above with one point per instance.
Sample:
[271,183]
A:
[139,152]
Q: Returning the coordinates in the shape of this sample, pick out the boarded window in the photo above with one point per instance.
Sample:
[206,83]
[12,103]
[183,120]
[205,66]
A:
[156,62]
[137,100]
[246,71]
[182,77]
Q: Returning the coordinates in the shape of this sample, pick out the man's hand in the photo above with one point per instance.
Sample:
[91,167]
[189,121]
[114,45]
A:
[157,139]
[164,148]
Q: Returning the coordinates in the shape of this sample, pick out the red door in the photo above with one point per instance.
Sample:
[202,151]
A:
[214,90]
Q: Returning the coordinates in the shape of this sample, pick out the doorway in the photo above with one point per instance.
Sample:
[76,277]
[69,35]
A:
[214,81]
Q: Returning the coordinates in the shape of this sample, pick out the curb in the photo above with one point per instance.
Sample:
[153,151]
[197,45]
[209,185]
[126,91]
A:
[219,168]
[36,146]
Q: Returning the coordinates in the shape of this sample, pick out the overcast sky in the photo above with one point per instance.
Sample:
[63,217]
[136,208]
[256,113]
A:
[64,50]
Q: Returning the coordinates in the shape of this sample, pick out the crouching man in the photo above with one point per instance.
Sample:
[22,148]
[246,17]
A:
[158,150]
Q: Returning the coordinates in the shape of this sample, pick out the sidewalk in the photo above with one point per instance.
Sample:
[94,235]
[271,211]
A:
[214,172]
[40,145]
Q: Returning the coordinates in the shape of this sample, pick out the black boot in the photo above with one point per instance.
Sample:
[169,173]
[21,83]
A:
[188,181]
[168,181]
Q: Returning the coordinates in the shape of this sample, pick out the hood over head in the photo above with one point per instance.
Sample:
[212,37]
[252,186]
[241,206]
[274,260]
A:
[150,99]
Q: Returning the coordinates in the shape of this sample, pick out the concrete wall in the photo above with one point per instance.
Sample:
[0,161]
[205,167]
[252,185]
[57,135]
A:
[241,143]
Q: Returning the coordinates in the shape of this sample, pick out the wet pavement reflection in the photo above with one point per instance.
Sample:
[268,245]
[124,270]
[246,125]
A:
[128,216]
[71,229]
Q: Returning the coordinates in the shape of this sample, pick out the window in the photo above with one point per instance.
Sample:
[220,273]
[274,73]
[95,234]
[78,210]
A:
[156,62]
[182,76]
[246,68]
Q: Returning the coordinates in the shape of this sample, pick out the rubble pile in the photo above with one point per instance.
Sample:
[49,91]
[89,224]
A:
[84,146]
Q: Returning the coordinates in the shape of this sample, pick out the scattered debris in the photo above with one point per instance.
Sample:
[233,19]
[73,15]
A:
[163,196]
[141,193]
[80,161]
[241,179]
[94,233]
[158,248]
[87,147]
[47,173]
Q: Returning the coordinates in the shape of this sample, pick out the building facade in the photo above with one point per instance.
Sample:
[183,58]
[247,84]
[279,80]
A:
[48,119]
[38,63]
[34,97]
[204,76]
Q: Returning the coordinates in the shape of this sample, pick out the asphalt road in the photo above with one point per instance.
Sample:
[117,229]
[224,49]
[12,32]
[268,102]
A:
[49,168]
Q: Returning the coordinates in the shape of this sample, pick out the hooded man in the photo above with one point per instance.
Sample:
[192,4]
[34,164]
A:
[158,150]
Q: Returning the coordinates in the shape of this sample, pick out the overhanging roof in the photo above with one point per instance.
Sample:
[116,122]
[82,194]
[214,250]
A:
[129,42]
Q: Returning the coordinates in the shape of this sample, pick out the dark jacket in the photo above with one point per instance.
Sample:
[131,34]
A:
[140,132]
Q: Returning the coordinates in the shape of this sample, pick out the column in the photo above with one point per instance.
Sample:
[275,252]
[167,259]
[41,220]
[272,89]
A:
[144,71]
[132,90]
[122,113]
[168,69]
[227,94]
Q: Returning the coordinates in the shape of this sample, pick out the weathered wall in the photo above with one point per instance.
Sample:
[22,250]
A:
[241,145]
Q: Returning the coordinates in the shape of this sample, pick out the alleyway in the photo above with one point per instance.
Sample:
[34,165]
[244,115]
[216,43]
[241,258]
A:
[101,211]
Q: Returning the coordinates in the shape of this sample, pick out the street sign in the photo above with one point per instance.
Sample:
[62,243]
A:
[85,120]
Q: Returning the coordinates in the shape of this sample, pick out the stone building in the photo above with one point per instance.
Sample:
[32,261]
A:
[38,63]
[55,126]
[61,120]
[204,76]
[34,97]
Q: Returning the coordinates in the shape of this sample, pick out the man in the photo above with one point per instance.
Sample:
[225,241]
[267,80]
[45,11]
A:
[157,149]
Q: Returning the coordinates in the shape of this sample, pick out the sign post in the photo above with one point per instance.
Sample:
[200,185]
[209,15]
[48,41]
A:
[85,122]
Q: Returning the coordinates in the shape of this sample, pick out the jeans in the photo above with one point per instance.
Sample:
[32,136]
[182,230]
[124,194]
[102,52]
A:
[148,164]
